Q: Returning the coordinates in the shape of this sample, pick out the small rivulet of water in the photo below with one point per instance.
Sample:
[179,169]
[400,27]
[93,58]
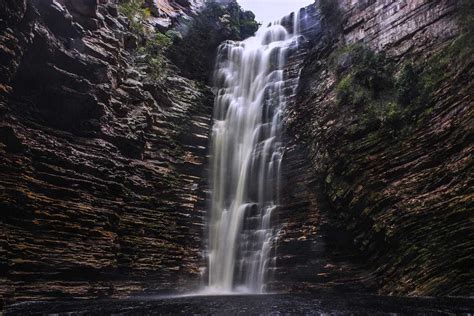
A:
[246,155]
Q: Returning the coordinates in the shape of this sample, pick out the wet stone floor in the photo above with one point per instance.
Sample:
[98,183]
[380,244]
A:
[271,304]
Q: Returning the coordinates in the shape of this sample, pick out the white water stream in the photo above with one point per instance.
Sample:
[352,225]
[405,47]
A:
[246,155]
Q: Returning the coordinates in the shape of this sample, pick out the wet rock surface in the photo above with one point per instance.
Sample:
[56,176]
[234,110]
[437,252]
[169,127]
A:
[271,304]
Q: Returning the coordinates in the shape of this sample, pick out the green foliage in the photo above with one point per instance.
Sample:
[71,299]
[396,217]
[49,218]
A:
[135,11]
[153,45]
[363,75]
[156,66]
[444,64]
[154,50]
[407,85]
[236,22]
[159,42]
[202,35]
[349,92]
[394,114]
[175,36]
[366,82]
[247,24]
[131,8]
[199,37]
[344,90]
[466,15]
[460,52]
[332,15]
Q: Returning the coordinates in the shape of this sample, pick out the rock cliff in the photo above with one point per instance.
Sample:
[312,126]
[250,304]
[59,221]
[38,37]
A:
[103,143]
[381,150]
[102,149]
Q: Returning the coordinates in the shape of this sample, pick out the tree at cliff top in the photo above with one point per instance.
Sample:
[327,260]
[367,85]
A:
[192,44]
[217,22]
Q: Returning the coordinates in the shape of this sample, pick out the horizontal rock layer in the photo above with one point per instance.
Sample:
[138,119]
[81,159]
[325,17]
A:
[100,165]
[101,176]
[402,195]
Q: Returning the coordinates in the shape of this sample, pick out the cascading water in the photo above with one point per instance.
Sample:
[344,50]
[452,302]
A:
[246,157]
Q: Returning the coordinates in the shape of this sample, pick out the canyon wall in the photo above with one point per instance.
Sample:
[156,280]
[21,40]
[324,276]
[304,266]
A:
[380,154]
[101,164]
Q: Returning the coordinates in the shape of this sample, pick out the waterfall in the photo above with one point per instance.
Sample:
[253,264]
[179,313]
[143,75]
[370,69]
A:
[246,155]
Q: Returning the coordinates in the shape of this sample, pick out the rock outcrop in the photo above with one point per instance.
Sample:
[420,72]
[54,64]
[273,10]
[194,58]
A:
[382,118]
[100,165]
[169,13]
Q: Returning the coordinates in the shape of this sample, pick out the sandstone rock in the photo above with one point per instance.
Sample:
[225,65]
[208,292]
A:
[12,12]
[87,8]
[60,21]
[10,139]
[98,180]
[397,193]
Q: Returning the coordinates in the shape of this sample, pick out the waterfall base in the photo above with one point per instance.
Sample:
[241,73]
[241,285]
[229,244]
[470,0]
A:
[317,304]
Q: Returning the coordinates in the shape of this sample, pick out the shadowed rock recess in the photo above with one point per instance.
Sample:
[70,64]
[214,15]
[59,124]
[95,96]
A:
[103,147]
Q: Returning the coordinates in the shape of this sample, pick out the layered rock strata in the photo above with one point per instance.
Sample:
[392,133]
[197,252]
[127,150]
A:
[101,170]
[100,165]
[390,172]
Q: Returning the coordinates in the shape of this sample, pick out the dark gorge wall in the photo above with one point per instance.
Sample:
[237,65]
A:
[101,163]
[380,152]
[102,157]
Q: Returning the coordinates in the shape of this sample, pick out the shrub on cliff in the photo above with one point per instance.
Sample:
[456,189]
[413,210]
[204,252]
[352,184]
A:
[194,53]
[364,82]
[396,100]
[154,50]
[385,98]
[407,85]
[332,16]
[136,13]
[152,43]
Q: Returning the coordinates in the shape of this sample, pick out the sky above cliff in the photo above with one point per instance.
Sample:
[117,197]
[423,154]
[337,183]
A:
[271,10]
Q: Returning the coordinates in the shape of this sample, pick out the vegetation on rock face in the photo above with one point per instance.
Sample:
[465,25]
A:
[401,118]
[201,36]
[385,96]
[367,83]
[152,44]
[135,11]
[332,16]
[153,52]
[189,42]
